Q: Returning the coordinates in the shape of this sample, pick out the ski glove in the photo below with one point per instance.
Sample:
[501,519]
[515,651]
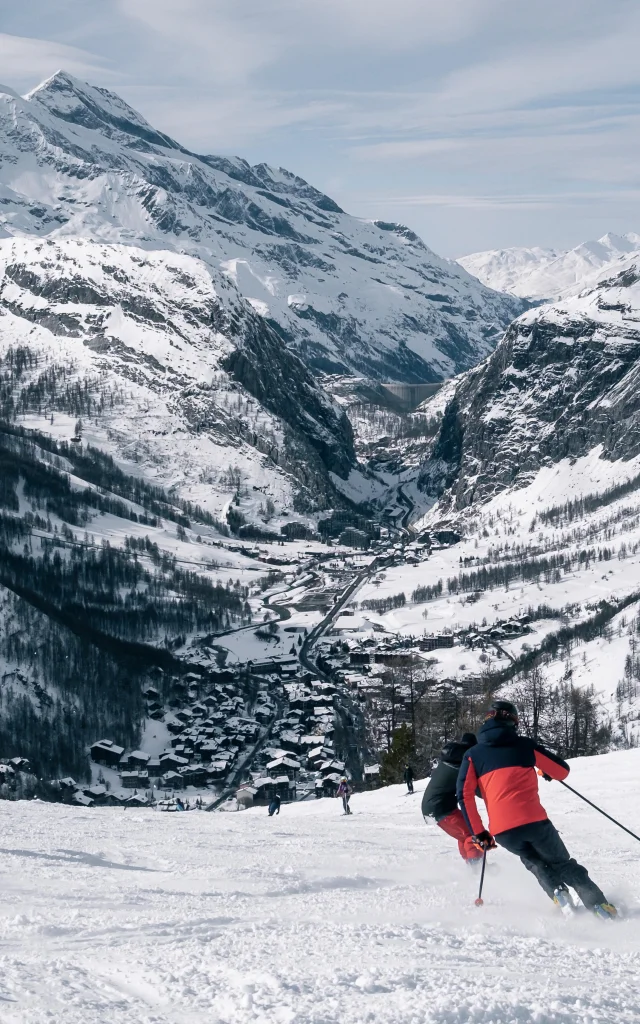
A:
[543,775]
[484,841]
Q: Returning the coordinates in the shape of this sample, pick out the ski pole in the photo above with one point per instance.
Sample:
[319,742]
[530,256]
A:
[480,901]
[596,808]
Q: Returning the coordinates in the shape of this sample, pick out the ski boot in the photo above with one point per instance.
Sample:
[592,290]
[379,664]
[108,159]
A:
[562,899]
[606,911]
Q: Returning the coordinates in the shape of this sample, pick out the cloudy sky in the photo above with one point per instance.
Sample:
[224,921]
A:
[480,123]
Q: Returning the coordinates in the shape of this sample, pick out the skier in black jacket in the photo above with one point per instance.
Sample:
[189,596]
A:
[409,777]
[439,799]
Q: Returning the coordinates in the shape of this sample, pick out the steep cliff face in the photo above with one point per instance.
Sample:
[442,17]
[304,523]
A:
[565,380]
[344,294]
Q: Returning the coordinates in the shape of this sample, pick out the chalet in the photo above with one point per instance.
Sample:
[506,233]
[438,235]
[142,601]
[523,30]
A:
[19,764]
[172,762]
[283,766]
[284,787]
[312,740]
[263,713]
[316,756]
[330,784]
[290,741]
[154,768]
[106,752]
[172,780]
[112,800]
[359,658]
[136,800]
[300,703]
[81,798]
[151,693]
[134,779]
[97,793]
[138,759]
[183,715]
[195,775]
[264,790]
[217,770]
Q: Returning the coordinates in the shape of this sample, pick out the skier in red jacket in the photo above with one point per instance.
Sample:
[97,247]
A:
[503,768]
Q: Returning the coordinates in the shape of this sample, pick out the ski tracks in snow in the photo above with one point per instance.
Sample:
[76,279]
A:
[148,918]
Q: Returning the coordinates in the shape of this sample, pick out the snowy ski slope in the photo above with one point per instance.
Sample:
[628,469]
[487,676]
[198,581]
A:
[311,917]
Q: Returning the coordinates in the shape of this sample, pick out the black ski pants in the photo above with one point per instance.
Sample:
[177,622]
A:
[542,852]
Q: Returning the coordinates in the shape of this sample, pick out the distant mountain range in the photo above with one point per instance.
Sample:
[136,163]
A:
[540,274]
[346,295]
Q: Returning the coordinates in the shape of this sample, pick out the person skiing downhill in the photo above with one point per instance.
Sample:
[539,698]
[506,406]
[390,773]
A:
[344,790]
[502,766]
[439,798]
[408,777]
[274,806]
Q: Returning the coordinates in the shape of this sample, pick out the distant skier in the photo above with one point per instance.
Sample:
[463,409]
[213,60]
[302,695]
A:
[502,766]
[274,806]
[439,799]
[344,790]
[408,777]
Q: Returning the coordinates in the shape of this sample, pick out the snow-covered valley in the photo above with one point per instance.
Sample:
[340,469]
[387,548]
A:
[311,917]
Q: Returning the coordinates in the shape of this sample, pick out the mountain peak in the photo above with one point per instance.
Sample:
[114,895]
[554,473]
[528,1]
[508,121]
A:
[93,107]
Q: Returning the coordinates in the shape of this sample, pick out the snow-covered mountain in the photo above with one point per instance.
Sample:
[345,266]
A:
[347,295]
[563,382]
[171,378]
[545,274]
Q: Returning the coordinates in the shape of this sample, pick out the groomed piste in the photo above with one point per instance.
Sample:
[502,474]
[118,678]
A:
[312,917]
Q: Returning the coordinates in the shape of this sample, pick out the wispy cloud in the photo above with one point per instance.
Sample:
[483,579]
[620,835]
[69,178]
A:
[514,202]
[23,58]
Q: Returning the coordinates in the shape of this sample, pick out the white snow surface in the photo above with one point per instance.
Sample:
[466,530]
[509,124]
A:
[536,273]
[311,917]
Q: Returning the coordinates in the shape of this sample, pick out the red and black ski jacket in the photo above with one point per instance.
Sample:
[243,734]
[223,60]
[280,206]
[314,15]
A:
[502,767]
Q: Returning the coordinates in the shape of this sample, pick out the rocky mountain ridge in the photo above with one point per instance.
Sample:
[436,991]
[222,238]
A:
[345,294]
[563,382]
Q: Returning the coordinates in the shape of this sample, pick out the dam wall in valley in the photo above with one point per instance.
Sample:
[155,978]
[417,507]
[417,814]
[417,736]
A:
[411,395]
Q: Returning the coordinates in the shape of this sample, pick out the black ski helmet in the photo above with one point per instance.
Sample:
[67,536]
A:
[503,711]
[468,739]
